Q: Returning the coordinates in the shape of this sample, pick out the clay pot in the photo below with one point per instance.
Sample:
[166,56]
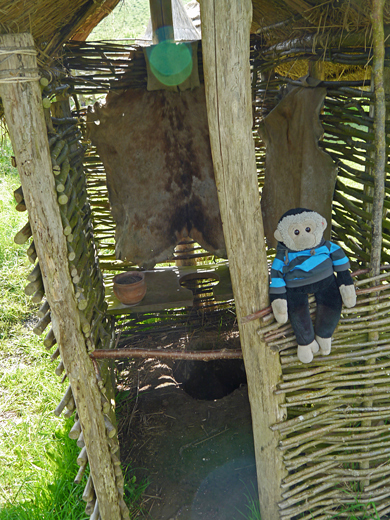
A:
[130,287]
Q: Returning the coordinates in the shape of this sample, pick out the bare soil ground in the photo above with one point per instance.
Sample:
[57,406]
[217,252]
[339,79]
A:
[197,454]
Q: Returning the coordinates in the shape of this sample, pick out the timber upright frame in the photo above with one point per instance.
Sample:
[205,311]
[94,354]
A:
[225,35]
[22,100]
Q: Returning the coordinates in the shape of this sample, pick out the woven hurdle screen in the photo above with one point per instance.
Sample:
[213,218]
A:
[335,439]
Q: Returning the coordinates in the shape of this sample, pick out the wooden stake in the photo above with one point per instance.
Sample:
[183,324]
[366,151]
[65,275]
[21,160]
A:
[22,101]
[63,402]
[37,297]
[31,253]
[198,355]
[80,473]
[21,207]
[380,134]
[95,514]
[50,339]
[225,41]
[162,22]
[75,431]
[18,194]
[33,287]
[82,459]
[80,440]
[90,507]
[60,368]
[89,492]
[42,324]
[43,309]
[23,235]
[111,430]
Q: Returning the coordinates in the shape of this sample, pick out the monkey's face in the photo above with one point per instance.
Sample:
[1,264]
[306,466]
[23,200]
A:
[303,235]
[301,231]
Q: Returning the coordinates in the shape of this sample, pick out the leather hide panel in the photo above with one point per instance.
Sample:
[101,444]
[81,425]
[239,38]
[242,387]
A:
[156,151]
[297,172]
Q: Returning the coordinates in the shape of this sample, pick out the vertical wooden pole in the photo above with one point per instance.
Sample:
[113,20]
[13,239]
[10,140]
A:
[316,69]
[225,35]
[162,21]
[22,103]
[378,172]
[380,134]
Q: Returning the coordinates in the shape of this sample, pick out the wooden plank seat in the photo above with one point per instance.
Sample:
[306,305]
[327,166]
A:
[164,290]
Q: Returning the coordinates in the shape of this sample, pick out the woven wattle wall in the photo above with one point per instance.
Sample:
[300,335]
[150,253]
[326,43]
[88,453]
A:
[335,440]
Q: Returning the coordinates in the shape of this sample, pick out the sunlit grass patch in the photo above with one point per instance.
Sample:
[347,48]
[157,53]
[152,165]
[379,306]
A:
[38,460]
[45,489]
[14,265]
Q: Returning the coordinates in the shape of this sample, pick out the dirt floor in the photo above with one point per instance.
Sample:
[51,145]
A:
[197,454]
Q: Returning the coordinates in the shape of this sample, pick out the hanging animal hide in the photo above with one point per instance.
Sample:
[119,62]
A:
[297,172]
[156,151]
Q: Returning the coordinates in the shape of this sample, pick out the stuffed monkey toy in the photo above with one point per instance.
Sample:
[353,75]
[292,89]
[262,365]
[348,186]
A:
[305,264]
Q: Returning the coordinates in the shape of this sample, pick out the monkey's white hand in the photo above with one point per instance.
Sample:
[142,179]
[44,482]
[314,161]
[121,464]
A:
[279,308]
[348,295]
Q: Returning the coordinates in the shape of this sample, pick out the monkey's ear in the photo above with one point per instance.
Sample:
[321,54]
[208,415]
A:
[324,224]
[278,235]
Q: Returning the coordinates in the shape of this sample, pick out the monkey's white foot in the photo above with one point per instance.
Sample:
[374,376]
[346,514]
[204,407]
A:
[279,308]
[325,345]
[305,352]
[314,346]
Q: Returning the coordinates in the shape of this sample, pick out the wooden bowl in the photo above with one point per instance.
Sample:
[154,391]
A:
[130,287]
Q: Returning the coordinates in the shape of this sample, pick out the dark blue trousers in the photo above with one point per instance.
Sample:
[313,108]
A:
[329,305]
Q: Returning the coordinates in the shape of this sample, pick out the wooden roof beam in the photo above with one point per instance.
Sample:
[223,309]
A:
[92,17]
[324,41]
[81,25]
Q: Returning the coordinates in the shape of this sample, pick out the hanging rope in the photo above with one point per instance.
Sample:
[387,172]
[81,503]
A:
[10,76]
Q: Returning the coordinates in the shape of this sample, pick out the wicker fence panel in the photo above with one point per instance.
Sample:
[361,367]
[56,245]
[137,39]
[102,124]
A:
[335,440]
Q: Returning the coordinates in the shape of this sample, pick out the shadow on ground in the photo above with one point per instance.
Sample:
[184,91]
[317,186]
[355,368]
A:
[197,454]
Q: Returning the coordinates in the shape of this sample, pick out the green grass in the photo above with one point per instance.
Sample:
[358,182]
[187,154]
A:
[37,457]
[47,490]
[38,460]
[358,511]
[252,508]
[128,20]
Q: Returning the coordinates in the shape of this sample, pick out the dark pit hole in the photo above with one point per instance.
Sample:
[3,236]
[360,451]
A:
[210,380]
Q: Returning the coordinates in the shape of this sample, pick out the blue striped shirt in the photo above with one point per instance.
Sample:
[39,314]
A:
[298,268]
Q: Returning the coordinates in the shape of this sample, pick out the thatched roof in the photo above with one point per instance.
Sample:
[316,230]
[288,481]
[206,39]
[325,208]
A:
[279,22]
[52,22]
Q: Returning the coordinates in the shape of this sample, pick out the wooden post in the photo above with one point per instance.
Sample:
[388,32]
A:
[316,69]
[380,134]
[378,172]
[225,35]
[22,100]
[162,21]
